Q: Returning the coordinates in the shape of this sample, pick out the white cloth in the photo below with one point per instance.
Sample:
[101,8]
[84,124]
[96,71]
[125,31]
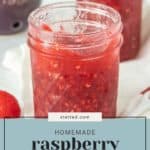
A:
[134,77]
[139,106]
[17,61]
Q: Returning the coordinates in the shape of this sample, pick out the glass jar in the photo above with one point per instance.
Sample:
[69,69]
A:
[75,58]
[14,13]
[130,11]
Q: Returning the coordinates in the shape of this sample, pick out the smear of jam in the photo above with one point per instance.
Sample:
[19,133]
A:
[146,90]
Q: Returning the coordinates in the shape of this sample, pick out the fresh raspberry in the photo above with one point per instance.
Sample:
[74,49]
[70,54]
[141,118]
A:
[9,107]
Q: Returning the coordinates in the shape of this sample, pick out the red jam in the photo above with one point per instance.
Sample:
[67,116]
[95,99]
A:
[76,78]
[130,11]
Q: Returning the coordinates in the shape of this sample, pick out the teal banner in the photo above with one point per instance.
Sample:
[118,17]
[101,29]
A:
[39,134]
[148,134]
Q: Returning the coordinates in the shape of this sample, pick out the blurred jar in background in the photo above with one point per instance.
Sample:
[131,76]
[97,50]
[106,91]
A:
[14,13]
[130,11]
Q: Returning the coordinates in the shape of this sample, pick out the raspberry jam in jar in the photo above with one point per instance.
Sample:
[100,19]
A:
[130,11]
[75,58]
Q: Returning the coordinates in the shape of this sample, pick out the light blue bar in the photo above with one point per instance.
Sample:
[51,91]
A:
[21,133]
[1,134]
[148,134]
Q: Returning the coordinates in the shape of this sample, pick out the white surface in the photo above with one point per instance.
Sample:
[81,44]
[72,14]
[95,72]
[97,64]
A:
[134,74]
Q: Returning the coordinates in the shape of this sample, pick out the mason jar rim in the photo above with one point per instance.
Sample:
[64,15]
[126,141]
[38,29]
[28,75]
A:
[103,35]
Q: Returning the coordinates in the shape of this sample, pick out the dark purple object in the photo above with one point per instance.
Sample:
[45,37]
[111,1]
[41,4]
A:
[14,14]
